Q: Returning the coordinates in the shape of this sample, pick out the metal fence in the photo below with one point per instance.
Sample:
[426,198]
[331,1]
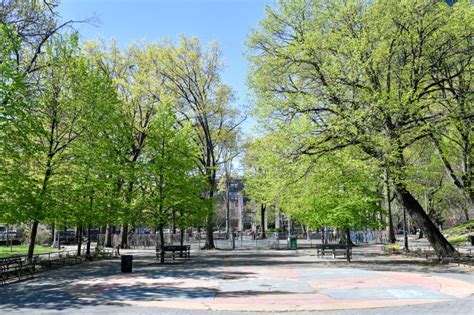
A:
[274,240]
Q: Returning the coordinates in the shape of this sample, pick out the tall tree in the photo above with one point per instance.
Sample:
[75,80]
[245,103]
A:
[168,173]
[193,75]
[362,73]
[141,92]
[67,102]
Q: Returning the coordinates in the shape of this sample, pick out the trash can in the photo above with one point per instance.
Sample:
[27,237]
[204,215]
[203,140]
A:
[292,244]
[126,263]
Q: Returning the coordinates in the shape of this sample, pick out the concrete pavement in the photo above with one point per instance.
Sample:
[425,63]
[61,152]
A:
[220,282]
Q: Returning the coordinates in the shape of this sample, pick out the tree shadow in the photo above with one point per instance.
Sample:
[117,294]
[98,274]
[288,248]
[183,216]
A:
[80,286]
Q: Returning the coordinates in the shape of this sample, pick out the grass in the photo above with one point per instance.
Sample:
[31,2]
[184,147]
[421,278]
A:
[6,251]
[457,235]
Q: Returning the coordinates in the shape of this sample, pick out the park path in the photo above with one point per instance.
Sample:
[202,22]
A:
[264,281]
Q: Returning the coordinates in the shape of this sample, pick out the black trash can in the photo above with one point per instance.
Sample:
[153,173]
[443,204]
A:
[127,263]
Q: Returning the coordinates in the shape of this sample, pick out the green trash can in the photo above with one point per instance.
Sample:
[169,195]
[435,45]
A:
[292,243]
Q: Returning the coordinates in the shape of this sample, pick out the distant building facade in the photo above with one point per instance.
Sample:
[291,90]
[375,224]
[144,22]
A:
[242,214]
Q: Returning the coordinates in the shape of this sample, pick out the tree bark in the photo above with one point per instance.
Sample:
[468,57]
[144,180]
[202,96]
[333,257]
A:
[227,206]
[262,223]
[391,232]
[210,226]
[346,237]
[405,230]
[162,245]
[108,236]
[31,247]
[88,247]
[181,241]
[209,232]
[348,244]
[79,240]
[124,236]
[439,243]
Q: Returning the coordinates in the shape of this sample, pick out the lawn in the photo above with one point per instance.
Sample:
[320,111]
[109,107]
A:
[6,251]
[457,235]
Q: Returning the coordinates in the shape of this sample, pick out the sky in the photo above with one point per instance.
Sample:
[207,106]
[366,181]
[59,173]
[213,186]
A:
[227,21]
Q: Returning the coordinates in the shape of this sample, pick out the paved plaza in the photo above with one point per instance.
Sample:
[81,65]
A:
[222,282]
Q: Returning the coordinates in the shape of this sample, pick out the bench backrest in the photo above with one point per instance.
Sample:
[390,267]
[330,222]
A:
[332,246]
[177,247]
[6,262]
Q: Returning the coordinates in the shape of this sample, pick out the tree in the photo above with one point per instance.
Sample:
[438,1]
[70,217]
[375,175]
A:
[192,74]
[338,191]
[14,109]
[141,91]
[168,180]
[61,115]
[32,24]
[363,74]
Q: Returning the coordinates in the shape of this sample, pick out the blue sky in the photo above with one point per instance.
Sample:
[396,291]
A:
[227,21]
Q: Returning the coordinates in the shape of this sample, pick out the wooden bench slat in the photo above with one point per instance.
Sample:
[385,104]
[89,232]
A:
[186,249]
[335,248]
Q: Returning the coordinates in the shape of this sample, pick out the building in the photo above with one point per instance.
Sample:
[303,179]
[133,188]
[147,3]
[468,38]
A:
[242,216]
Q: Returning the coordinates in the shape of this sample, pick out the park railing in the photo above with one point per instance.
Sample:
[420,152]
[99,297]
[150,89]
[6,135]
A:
[19,267]
[222,240]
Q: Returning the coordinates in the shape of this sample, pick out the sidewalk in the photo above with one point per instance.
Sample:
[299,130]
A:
[216,282]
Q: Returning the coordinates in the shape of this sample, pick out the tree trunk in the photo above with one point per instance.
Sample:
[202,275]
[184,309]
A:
[79,240]
[346,237]
[173,221]
[181,231]
[210,226]
[391,230]
[227,208]
[348,244]
[405,230]
[466,214]
[88,248]
[209,233]
[439,243]
[421,234]
[108,236]
[162,245]
[262,223]
[124,236]
[31,247]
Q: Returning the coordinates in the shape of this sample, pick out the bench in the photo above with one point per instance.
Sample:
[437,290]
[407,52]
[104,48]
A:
[184,249]
[334,249]
[15,267]
[104,254]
